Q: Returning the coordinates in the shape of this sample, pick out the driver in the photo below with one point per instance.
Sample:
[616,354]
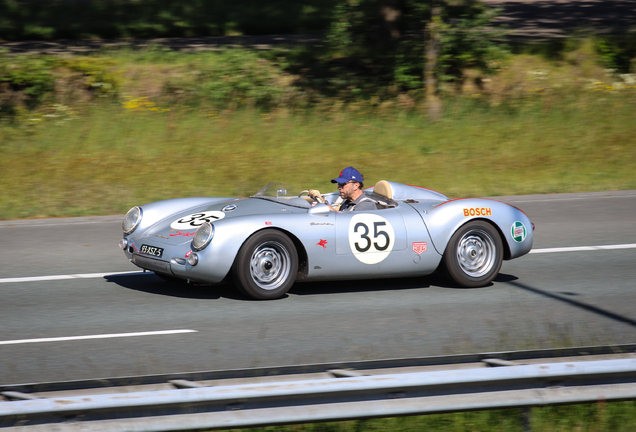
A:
[350,184]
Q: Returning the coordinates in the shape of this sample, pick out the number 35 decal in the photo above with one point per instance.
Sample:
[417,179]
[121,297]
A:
[195,220]
[371,238]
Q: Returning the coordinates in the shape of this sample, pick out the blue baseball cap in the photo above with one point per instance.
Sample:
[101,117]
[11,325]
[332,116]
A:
[348,174]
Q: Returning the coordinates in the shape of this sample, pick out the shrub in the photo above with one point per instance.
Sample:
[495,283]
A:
[97,73]
[230,78]
[25,80]
[28,81]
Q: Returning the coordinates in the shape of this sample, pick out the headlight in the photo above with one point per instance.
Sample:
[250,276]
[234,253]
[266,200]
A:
[203,236]
[132,220]
[123,244]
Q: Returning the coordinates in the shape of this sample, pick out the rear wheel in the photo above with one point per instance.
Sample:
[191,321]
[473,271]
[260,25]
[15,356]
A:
[474,255]
[266,266]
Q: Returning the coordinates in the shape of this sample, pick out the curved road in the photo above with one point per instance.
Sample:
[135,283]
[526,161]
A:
[107,325]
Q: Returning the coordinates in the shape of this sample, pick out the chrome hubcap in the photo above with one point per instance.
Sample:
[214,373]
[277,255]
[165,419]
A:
[476,253]
[270,265]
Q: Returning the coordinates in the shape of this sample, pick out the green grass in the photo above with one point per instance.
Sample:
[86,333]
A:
[108,158]
[539,126]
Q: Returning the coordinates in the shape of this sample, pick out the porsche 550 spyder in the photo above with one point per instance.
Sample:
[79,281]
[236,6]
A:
[279,236]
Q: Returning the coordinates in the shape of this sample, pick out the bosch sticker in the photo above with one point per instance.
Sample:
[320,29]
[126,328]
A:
[478,211]
[371,238]
[518,232]
[195,220]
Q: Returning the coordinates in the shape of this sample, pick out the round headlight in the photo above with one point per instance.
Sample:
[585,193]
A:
[123,244]
[132,220]
[203,236]
[193,259]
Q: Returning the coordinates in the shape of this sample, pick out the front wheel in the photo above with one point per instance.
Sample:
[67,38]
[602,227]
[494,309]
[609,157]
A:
[266,266]
[474,255]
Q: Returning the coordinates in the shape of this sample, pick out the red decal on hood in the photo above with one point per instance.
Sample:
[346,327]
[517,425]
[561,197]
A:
[181,233]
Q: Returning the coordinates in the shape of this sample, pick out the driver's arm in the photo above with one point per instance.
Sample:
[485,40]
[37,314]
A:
[315,195]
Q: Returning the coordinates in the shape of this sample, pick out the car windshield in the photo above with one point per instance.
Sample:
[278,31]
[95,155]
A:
[283,193]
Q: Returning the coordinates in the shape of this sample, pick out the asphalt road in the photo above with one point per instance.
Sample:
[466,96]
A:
[542,300]
[525,19]
[543,19]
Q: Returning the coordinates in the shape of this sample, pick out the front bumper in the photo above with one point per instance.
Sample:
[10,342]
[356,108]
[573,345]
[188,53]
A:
[152,264]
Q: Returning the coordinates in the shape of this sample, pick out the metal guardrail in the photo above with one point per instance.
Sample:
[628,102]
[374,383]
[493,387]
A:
[360,365]
[348,398]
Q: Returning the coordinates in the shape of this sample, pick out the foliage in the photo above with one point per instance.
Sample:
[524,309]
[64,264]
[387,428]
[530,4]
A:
[229,78]
[98,72]
[28,81]
[25,79]
[72,19]
[466,40]
[469,43]
[617,52]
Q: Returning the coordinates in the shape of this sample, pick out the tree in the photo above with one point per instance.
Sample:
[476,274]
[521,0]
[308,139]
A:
[433,102]
[414,44]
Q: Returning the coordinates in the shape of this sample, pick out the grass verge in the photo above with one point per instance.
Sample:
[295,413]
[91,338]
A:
[108,158]
[128,127]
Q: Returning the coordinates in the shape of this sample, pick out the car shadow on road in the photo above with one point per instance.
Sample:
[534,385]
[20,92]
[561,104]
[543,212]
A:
[577,303]
[153,284]
[371,285]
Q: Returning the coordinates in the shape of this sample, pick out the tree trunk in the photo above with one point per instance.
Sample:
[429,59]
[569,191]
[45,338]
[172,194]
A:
[433,101]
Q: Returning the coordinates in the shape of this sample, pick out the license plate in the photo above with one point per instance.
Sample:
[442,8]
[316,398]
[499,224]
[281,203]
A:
[151,250]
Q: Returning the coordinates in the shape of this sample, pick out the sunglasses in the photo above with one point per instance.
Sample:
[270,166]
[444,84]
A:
[341,185]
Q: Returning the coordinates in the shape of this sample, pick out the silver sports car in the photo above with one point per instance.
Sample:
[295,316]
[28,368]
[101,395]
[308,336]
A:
[279,236]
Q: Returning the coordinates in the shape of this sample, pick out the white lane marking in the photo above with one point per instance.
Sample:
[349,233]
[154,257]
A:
[102,336]
[22,224]
[101,275]
[584,248]
[69,276]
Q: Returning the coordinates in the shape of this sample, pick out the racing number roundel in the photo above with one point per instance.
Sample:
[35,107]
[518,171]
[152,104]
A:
[371,237]
[195,220]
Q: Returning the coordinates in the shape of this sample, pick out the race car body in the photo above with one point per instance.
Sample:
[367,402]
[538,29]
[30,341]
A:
[269,241]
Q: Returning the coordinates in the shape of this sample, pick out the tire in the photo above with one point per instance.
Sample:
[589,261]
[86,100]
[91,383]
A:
[266,266]
[473,255]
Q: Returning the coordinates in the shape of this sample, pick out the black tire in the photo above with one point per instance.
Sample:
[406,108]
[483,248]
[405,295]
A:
[473,255]
[266,266]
